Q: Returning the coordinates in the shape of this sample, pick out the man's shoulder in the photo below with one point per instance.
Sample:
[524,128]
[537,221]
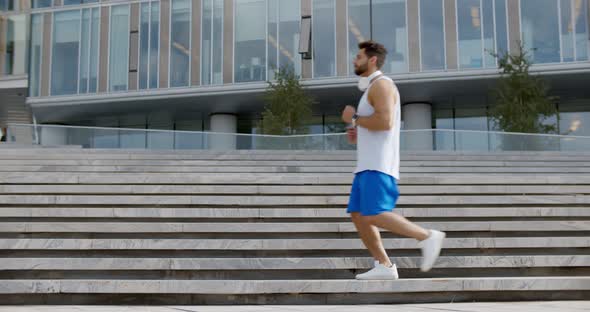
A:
[384,84]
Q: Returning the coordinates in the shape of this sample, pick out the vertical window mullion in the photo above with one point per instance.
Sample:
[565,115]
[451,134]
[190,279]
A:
[495,32]
[574,33]
[278,13]
[482,34]
[266,39]
[560,30]
[90,11]
[211,42]
[80,21]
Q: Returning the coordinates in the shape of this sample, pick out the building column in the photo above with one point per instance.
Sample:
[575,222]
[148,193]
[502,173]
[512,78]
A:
[418,116]
[223,123]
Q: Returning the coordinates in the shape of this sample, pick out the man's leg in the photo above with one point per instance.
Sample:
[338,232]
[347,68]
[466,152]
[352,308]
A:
[399,225]
[371,238]
[430,241]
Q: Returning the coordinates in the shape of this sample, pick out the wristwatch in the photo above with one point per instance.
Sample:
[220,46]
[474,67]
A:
[355,117]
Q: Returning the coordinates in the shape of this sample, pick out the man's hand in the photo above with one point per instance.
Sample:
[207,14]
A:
[347,114]
[351,135]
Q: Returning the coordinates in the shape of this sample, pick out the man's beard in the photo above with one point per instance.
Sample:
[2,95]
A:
[361,69]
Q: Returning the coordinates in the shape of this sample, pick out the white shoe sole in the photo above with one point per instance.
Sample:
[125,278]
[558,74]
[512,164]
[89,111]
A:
[377,278]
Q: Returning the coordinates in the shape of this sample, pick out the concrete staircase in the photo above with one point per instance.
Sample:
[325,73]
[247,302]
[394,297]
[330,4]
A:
[162,227]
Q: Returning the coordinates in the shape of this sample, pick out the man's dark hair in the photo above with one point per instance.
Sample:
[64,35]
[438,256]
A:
[373,48]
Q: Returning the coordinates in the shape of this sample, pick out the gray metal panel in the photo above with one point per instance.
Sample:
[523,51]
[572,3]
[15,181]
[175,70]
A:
[196,44]
[132,80]
[341,39]
[3,26]
[133,59]
[133,46]
[414,36]
[164,42]
[451,33]
[134,18]
[25,5]
[228,41]
[103,69]
[46,56]
[514,25]
[58,2]
[306,64]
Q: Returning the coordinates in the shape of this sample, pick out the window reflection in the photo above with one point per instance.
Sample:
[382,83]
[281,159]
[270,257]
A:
[250,43]
[432,35]
[540,29]
[324,38]
[180,47]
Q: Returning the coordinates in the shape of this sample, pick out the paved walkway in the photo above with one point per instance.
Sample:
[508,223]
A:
[562,306]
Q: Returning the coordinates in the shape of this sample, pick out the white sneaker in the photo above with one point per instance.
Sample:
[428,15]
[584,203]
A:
[380,272]
[431,249]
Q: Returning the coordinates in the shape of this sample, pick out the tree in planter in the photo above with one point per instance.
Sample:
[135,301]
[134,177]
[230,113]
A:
[521,101]
[288,108]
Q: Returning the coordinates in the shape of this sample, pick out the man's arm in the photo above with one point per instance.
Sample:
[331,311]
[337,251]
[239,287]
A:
[382,98]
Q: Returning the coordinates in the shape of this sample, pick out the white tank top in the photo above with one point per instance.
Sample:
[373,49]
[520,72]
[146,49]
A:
[379,150]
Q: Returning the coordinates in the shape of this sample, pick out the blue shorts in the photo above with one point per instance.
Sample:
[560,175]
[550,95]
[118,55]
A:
[373,193]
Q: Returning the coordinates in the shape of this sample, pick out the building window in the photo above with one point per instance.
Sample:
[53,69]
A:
[37,4]
[388,27]
[574,30]
[556,30]
[567,31]
[324,38]
[580,22]
[432,35]
[149,30]
[283,36]
[73,2]
[540,29]
[501,23]
[250,40]
[89,51]
[36,50]
[16,52]
[180,45]
[469,24]
[119,48]
[359,27]
[64,64]
[212,42]
[6,5]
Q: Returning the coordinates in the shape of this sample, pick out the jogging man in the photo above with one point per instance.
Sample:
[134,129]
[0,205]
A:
[376,131]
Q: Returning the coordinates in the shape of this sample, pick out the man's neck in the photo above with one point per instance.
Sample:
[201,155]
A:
[368,73]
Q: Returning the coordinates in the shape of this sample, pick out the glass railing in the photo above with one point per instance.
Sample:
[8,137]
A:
[411,140]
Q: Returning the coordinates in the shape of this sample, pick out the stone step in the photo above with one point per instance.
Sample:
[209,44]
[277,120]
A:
[45,244]
[275,163]
[280,178]
[307,263]
[272,200]
[83,154]
[222,213]
[290,227]
[119,151]
[241,287]
[285,189]
[287,169]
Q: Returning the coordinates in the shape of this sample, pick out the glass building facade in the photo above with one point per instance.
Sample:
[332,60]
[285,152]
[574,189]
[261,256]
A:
[72,49]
